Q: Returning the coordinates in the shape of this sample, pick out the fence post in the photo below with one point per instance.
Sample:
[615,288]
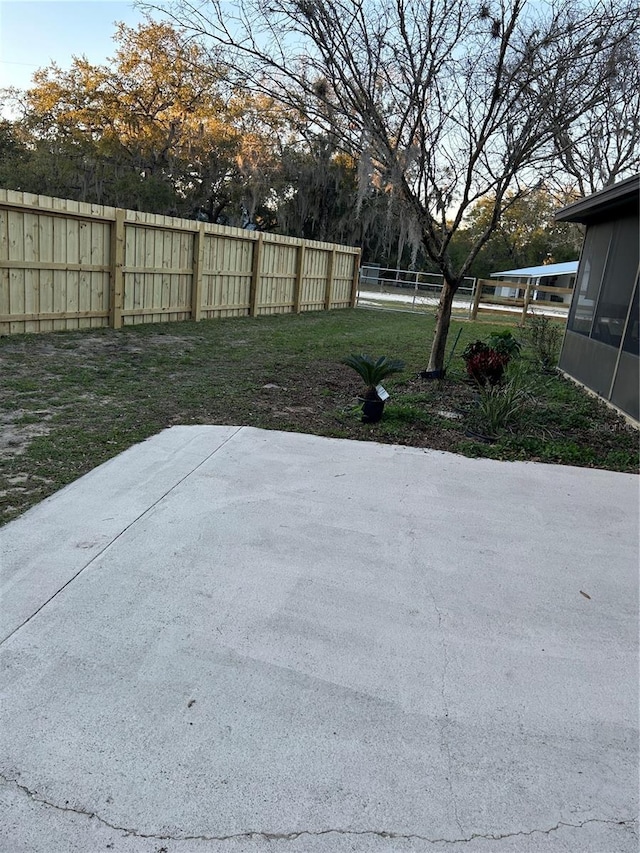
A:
[198,264]
[255,275]
[328,293]
[356,278]
[116,274]
[476,298]
[525,302]
[297,288]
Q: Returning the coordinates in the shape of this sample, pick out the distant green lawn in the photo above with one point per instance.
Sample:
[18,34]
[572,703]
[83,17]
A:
[70,401]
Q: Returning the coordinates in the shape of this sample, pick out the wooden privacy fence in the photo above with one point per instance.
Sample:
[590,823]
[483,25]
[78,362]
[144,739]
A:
[69,265]
[485,298]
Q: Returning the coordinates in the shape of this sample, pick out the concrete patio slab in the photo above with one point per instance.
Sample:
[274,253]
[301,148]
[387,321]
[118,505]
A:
[228,639]
[44,551]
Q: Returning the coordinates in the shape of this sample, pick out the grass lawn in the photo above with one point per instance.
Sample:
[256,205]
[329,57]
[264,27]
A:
[70,401]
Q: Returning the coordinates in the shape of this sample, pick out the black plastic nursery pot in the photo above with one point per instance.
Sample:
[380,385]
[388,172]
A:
[372,411]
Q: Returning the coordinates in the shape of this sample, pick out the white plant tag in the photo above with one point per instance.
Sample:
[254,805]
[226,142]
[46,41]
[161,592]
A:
[384,395]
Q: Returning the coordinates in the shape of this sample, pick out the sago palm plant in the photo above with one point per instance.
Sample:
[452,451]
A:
[373,372]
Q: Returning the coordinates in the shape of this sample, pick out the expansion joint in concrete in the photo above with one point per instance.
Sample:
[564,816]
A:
[292,836]
[121,533]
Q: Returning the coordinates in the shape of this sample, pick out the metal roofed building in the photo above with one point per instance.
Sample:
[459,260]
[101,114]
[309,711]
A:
[567,268]
[546,275]
[601,344]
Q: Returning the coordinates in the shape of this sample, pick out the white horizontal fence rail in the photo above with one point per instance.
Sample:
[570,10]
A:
[69,265]
[398,289]
[383,287]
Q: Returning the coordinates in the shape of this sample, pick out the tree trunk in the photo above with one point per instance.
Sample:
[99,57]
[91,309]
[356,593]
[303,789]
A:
[443,320]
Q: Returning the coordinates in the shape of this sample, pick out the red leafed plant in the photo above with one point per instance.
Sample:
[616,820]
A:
[484,364]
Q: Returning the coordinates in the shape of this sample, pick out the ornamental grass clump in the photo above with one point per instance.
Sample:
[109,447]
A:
[499,406]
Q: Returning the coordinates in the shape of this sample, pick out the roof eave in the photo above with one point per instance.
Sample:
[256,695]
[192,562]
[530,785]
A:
[611,198]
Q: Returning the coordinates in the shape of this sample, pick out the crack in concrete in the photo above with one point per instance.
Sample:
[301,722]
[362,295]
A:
[444,722]
[292,836]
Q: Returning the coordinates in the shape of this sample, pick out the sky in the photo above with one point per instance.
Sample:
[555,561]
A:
[33,33]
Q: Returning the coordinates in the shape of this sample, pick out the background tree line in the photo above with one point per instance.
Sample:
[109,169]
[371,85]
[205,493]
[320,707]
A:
[161,128]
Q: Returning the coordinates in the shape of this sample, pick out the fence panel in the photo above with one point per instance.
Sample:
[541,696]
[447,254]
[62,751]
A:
[343,279]
[55,272]
[278,279]
[226,276]
[158,270]
[314,280]
[68,265]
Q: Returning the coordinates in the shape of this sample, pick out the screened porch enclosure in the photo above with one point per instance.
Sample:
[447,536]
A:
[601,345]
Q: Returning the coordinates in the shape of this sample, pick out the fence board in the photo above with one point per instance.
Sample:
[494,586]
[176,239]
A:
[198,263]
[118,250]
[45,224]
[31,276]
[61,267]
[16,276]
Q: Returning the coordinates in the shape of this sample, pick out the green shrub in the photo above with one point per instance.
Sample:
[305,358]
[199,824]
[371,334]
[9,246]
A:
[543,336]
[504,343]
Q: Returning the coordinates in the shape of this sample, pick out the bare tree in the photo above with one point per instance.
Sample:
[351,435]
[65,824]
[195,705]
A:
[603,143]
[442,102]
